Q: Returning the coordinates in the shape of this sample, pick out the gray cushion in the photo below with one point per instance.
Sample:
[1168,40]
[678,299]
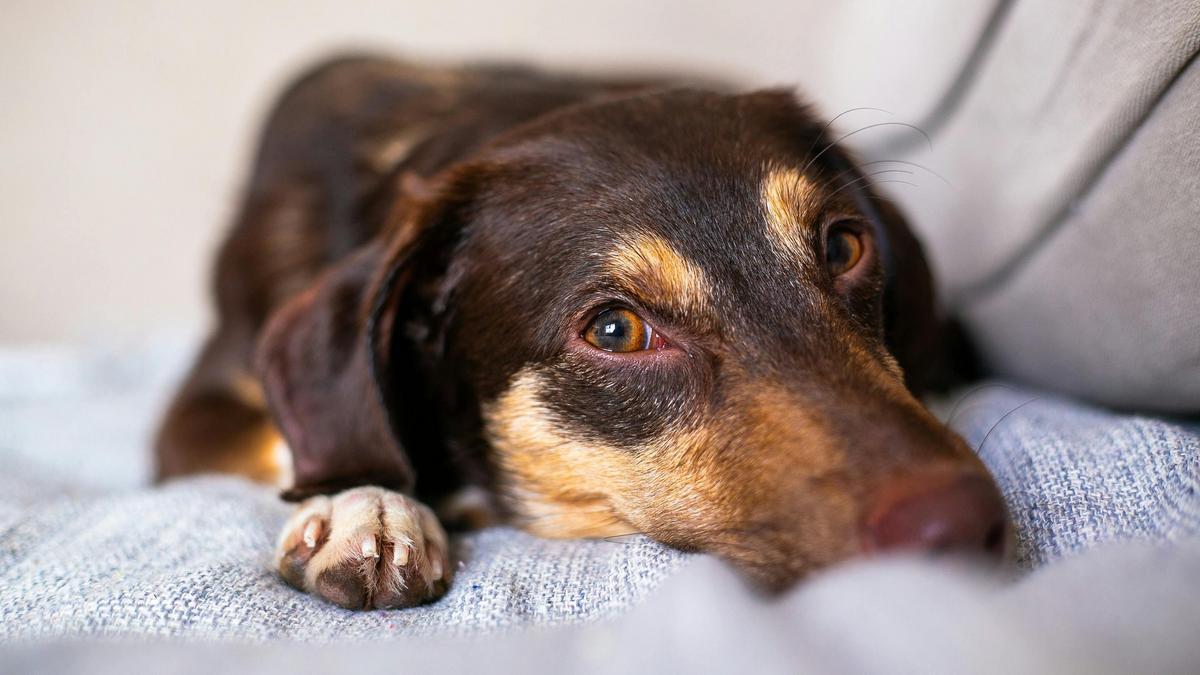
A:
[1123,609]
[1075,476]
[1068,237]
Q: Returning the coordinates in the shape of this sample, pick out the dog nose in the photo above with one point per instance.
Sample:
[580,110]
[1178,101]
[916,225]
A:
[939,512]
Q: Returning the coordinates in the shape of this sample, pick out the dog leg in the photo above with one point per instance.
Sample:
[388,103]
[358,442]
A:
[218,422]
[284,237]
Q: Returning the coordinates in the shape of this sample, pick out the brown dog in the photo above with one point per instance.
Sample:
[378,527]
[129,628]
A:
[612,306]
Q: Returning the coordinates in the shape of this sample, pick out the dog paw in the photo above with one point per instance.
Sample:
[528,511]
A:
[365,548]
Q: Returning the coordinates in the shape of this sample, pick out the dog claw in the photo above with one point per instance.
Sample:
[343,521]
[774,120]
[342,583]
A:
[400,556]
[369,547]
[311,530]
[435,567]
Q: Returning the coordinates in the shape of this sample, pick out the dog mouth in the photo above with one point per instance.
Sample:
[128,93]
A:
[941,514]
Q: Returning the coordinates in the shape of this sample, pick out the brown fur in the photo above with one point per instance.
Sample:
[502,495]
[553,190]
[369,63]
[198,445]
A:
[411,275]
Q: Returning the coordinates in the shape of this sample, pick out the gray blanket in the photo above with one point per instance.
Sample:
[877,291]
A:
[87,550]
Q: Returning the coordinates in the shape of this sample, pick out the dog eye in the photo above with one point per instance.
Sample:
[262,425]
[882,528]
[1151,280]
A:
[620,330]
[843,250]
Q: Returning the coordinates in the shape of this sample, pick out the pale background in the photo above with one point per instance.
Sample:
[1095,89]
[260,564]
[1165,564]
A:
[126,127]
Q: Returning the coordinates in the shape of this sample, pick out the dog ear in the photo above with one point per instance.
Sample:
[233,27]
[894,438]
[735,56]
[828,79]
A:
[328,359]
[315,363]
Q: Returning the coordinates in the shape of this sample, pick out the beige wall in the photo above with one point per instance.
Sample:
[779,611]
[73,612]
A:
[125,126]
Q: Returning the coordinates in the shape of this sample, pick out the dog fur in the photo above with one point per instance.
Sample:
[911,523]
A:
[407,289]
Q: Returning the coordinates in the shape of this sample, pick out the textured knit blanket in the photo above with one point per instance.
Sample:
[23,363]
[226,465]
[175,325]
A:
[87,549]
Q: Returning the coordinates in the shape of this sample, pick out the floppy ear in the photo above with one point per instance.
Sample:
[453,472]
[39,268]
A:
[328,360]
[316,366]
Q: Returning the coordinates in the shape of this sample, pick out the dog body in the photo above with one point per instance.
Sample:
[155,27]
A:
[607,306]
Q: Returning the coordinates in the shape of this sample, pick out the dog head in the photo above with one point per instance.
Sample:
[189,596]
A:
[680,313]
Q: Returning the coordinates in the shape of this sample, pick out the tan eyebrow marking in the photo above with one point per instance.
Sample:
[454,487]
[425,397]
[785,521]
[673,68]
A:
[789,199]
[646,261]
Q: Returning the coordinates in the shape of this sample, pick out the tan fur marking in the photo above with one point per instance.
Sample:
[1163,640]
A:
[546,481]
[225,431]
[788,201]
[562,487]
[386,154]
[646,261]
[687,486]
[247,389]
[258,455]
[776,419]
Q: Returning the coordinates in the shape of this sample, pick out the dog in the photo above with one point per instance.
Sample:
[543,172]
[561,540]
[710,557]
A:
[583,306]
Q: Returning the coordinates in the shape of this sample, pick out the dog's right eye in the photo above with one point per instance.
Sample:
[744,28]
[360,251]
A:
[621,330]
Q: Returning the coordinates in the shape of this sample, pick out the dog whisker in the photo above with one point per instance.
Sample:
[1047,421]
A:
[878,182]
[837,142]
[827,125]
[971,392]
[617,538]
[979,449]
[863,179]
[914,164]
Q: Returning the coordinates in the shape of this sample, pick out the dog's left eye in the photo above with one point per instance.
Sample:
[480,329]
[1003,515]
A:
[843,250]
[621,330]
